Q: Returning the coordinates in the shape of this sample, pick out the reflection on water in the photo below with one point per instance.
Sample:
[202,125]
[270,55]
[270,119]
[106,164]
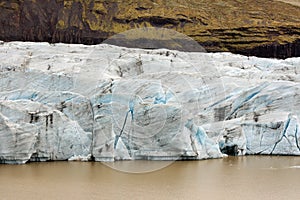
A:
[138,166]
[250,177]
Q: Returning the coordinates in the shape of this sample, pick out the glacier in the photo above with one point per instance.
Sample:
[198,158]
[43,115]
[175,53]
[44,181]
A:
[107,103]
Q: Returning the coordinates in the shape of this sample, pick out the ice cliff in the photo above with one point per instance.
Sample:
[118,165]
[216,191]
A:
[102,102]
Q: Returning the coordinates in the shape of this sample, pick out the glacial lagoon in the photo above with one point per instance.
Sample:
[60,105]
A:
[234,178]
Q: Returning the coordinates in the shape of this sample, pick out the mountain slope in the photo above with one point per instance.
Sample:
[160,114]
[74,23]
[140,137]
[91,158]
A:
[252,27]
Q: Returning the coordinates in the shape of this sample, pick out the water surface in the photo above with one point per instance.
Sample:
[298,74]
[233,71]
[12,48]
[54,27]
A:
[231,178]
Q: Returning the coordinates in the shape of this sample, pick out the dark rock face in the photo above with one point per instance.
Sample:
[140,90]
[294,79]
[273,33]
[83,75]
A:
[274,50]
[264,28]
[28,20]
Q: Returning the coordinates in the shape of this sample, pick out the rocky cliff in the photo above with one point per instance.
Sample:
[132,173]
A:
[265,28]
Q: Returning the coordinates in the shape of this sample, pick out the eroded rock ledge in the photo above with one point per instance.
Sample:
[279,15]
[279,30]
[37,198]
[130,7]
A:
[77,102]
[264,28]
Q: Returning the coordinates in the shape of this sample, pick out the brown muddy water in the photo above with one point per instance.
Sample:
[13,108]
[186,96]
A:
[232,178]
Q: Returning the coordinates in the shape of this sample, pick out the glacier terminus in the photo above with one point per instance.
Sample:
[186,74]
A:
[108,103]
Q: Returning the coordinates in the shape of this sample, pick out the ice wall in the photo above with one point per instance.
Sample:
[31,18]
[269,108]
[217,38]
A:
[102,102]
